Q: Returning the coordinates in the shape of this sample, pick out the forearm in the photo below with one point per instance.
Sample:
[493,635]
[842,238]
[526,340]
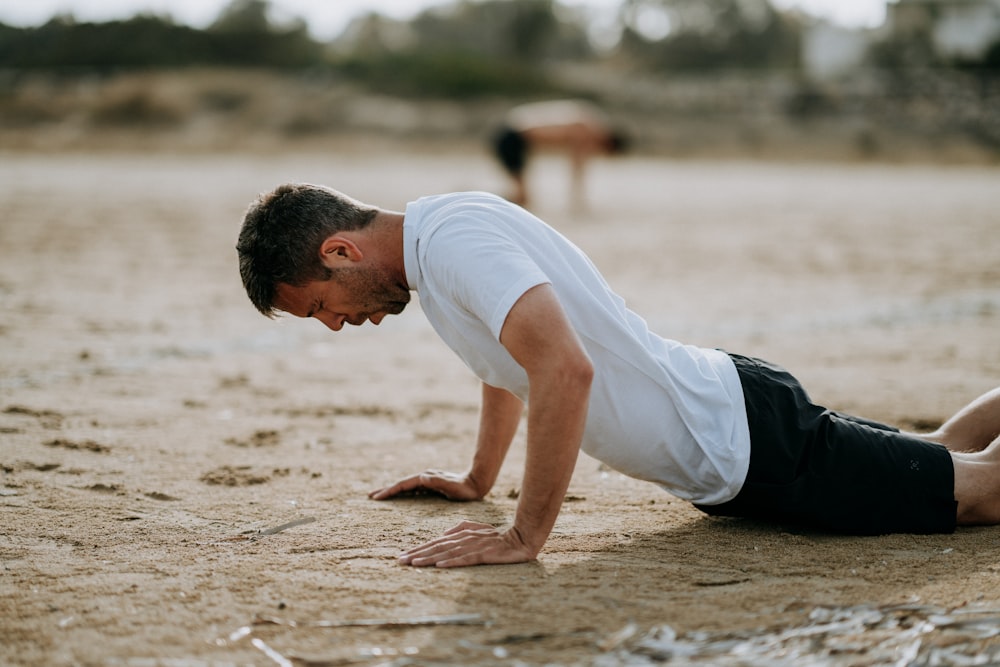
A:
[499,418]
[557,414]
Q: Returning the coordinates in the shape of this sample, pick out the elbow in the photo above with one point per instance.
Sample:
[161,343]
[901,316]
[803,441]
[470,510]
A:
[569,378]
[581,371]
[588,370]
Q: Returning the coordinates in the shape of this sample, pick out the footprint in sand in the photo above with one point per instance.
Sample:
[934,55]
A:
[48,418]
[262,438]
[234,476]
[86,445]
[156,495]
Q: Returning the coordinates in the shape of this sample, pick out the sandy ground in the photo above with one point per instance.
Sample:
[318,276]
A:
[157,435]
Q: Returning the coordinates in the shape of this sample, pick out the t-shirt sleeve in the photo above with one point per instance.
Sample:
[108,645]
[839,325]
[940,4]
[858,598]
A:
[481,271]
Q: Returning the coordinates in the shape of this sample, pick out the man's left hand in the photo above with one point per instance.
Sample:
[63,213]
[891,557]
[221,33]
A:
[470,543]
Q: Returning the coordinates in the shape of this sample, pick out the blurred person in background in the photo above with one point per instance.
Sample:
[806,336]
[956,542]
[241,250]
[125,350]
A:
[577,128]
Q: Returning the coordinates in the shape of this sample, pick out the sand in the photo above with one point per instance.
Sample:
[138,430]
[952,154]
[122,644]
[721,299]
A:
[176,468]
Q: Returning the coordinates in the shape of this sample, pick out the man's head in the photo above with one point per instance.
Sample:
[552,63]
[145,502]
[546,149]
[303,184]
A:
[283,234]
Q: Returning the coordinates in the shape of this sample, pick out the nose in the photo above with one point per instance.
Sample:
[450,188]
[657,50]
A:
[333,322]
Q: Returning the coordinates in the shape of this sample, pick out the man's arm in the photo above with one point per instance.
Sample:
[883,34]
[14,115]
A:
[539,336]
[499,417]
[498,420]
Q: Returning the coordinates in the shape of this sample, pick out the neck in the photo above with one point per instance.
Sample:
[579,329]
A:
[387,235]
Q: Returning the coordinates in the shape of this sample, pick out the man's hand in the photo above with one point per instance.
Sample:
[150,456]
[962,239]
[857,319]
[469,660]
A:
[448,484]
[470,543]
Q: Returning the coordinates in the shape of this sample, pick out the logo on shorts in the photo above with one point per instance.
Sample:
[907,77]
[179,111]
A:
[914,464]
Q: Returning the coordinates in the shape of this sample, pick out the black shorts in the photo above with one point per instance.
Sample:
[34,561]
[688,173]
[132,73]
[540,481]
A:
[511,149]
[822,469]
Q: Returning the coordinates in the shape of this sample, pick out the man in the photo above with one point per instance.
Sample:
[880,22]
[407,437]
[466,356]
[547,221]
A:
[533,318]
[575,127]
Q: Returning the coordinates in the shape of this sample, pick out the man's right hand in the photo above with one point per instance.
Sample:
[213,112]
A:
[453,486]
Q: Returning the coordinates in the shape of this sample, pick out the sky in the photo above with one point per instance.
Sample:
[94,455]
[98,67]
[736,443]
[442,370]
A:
[327,18]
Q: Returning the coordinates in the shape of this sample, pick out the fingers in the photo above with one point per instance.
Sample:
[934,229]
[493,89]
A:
[402,486]
[458,547]
[447,484]
[468,525]
[469,543]
[424,480]
[441,555]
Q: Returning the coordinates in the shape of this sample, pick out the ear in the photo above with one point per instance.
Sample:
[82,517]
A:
[339,250]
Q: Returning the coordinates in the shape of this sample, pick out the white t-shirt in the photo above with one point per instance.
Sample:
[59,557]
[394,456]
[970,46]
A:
[660,411]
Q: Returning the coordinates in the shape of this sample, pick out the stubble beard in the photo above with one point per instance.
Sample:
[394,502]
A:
[376,291]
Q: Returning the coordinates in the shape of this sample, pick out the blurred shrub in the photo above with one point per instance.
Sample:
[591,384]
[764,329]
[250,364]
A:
[459,51]
[138,42]
[224,100]
[518,30]
[28,101]
[151,41]
[444,74]
[464,50]
[712,34]
[244,35]
[136,107]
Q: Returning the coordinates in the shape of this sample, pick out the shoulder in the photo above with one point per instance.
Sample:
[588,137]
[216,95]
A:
[453,204]
[431,215]
[471,236]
